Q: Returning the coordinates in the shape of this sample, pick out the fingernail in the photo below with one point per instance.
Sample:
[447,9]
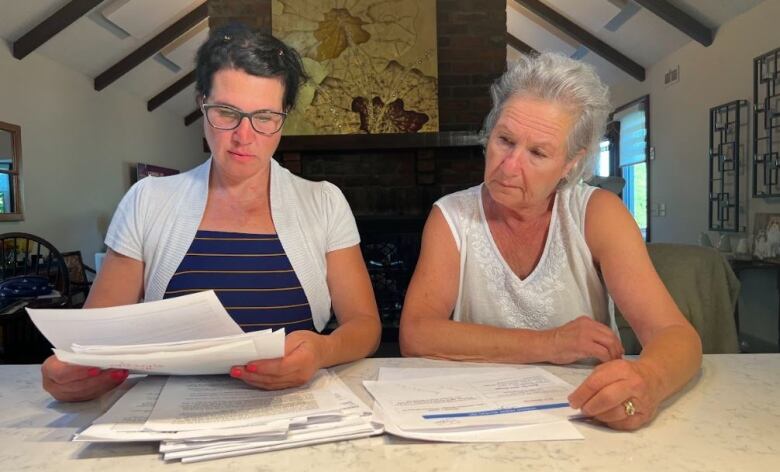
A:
[251,368]
[93,371]
[119,375]
[235,372]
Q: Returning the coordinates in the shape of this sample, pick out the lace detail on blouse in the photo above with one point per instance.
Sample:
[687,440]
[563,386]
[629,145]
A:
[555,292]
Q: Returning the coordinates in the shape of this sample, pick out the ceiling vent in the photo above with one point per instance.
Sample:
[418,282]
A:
[672,76]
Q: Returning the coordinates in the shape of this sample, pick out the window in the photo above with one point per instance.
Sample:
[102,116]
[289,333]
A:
[633,149]
[603,163]
[10,165]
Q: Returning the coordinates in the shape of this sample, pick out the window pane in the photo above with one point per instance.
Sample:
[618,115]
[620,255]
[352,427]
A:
[633,134]
[602,164]
[6,191]
[635,193]
[10,163]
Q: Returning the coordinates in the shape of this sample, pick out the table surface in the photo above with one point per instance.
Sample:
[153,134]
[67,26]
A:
[728,418]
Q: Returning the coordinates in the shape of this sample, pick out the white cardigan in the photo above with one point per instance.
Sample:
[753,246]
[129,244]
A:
[158,217]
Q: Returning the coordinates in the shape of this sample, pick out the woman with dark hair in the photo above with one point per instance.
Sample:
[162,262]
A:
[279,251]
[517,269]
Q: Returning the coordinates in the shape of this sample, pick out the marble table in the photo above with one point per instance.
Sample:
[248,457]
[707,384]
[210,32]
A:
[727,419]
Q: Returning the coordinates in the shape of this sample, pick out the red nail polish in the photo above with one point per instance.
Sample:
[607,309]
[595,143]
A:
[119,375]
[235,372]
[93,371]
[251,368]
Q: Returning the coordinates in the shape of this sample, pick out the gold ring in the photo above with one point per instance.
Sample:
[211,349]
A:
[628,405]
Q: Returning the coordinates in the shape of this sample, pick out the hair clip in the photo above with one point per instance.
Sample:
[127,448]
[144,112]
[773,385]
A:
[281,52]
[226,38]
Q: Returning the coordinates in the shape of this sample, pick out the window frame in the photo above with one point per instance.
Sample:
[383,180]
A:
[645,106]
[15,175]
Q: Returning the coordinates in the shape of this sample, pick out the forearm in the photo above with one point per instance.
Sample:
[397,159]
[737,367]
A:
[352,340]
[447,339]
[673,356]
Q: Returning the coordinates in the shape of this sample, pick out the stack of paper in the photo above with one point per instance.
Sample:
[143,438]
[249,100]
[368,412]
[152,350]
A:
[188,335]
[473,404]
[208,417]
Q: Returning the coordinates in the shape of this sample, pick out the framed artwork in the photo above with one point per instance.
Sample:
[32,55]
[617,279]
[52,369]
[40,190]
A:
[149,170]
[766,234]
[372,65]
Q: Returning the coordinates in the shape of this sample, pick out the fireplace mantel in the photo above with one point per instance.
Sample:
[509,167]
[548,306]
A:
[357,142]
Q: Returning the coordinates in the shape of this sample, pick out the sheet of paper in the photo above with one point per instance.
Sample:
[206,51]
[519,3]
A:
[188,403]
[189,317]
[187,345]
[553,431]
[279,446]
[212,360]
[390,374]
[124,421]
[346,425]
[469,401]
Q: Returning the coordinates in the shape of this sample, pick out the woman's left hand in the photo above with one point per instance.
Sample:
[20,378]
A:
[622,394]
[302,358]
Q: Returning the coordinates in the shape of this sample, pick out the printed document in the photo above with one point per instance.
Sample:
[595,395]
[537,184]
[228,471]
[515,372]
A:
[188,403]
[195,316]
[549,431]
[188,335]
[473,400]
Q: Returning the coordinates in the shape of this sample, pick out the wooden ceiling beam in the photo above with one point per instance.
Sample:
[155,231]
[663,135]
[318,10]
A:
[152,46]
[192,117]
[519,44]
[585,38]
[52,25]
[679,19]
[171,91]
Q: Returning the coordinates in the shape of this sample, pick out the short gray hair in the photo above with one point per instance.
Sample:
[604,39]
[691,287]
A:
[557,78]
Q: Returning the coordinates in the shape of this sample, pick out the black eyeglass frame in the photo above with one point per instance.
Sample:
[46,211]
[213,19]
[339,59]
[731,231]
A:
[205,107]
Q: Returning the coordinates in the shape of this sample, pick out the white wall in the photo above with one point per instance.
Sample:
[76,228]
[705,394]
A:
[679,117]
[78,146]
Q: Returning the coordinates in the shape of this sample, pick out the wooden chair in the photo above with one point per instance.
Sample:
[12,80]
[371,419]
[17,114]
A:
[23,255]
[80,282]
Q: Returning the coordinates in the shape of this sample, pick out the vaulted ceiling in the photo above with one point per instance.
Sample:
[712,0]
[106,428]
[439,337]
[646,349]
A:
[146,47]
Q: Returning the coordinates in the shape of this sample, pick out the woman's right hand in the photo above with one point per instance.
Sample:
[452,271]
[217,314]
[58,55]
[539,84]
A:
[584,338]
[75,383]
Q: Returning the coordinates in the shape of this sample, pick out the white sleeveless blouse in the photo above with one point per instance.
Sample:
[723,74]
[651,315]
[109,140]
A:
[563,286]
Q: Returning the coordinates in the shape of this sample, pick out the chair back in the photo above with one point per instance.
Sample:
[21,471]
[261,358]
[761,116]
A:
[75,264]
[26,257]
[80,283]
[705,289]
[26,254]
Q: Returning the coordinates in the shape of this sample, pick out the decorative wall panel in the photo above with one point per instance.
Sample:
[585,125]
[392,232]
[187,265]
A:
[372,65]
[728,137]
[766,124]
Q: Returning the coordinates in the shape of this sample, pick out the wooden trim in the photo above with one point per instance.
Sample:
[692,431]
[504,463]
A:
[171,91]
[355,142]
[588,40]
[152,46]
[519,44]
[680,20]
[192,117]
[52,25]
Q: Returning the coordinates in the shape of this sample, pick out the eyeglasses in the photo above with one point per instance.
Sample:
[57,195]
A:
[226,118]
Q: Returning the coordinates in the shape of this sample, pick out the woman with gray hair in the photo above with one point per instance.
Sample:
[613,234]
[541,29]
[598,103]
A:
[517,269]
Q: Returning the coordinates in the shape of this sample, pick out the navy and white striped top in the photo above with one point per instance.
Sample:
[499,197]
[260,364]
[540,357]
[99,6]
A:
[252,277]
